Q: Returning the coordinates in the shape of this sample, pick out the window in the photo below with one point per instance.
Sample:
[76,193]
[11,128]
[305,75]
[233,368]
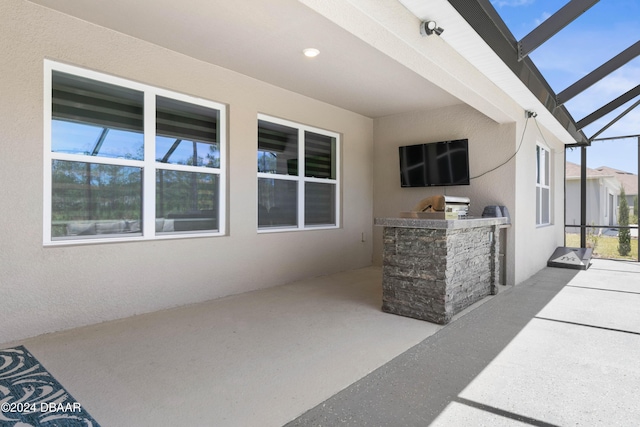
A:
[128,161]
[298,182]
[543,186]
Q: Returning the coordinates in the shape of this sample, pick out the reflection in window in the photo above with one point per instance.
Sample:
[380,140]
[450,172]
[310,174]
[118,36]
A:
[543,186]
[186,201]
[297,175]
[277,149]
[95,199]
[278,203]
[319,159]
[186,134]
[319,200]
[104,181]
[95,119]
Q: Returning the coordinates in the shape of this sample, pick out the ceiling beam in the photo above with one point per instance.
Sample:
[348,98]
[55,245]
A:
[596,75]
[612,122]
[622,99]
[552,25]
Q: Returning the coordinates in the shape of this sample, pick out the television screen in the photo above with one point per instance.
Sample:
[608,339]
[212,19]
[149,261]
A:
[435,164]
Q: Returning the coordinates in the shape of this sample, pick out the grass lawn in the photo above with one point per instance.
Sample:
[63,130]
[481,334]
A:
[605,246]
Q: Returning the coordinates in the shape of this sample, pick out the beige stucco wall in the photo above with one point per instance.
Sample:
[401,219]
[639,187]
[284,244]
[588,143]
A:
[600,193]
[54,288]
[534,245]
[490,145]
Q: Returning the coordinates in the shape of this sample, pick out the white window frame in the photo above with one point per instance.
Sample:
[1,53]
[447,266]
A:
[149,164]
[301,179]
[543,182]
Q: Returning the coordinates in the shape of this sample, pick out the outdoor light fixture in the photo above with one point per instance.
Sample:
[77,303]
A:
[429,27]
[311,52]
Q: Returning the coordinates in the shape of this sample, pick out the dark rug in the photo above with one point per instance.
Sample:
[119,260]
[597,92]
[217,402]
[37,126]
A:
[30,396]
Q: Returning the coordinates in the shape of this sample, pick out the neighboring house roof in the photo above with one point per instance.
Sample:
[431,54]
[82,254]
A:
[573,172]
[626,179]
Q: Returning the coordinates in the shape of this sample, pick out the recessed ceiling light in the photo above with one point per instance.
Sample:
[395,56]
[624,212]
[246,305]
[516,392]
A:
[311,52]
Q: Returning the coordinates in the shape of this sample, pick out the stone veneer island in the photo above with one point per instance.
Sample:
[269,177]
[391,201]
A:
[433,269]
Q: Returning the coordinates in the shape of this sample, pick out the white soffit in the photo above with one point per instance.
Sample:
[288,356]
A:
[372,61]
[264,40]
[391,28]
[463,38]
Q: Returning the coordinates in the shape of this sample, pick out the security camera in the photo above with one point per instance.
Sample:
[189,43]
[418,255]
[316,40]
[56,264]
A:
[430,27]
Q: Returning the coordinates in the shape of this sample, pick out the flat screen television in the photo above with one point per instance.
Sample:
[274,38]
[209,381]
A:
[435,164]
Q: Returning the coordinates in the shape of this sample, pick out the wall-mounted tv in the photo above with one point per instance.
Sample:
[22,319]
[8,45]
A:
[435,164]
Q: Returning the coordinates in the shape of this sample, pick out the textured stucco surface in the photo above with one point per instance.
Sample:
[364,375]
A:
[55,288]
[534,245]
[502,166]
[490,144]
[78,285]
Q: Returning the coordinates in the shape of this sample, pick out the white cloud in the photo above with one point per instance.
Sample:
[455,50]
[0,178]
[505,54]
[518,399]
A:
[544,17]
[572,54]
[605,91]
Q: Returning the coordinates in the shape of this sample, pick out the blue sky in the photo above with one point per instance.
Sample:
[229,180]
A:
[603,31]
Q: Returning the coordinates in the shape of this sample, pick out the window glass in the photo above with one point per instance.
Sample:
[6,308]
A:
[107,178]
[320,208]
[297,175]
[545,205]
[538,203]
[186,201]
[319,156]
[543,190]
[95,119]
[277,203]
[186,134]
[538,165]
[547,169]
[277,149]
[95,199]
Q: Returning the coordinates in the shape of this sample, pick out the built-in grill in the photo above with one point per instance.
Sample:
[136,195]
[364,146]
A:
[440,207]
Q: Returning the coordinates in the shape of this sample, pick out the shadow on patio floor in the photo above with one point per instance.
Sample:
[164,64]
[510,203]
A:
[555,350]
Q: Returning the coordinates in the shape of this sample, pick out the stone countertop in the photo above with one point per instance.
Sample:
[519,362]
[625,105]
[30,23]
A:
[446,224]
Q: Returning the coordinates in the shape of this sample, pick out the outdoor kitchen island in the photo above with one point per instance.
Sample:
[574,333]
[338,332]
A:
[435,268]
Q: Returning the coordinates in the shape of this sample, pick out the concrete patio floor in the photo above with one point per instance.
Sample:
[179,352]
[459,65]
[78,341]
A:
[560,349]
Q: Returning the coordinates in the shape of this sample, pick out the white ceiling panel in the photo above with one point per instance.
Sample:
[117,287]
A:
[264,40]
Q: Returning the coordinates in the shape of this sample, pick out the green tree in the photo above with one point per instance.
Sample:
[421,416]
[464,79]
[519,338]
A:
[624,235]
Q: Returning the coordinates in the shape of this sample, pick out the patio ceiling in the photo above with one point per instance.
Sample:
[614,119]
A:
[264,40]
[359,67]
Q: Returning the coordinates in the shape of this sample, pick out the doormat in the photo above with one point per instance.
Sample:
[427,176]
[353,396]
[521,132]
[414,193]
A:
[31,397]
